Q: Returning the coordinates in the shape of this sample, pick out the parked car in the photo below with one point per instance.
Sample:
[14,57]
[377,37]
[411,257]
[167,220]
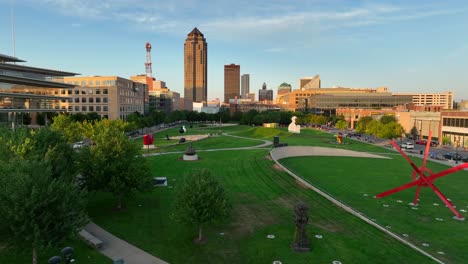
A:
[421,142]
[452,156]
[407,145]
[434,143]
[78,145]
[465,159]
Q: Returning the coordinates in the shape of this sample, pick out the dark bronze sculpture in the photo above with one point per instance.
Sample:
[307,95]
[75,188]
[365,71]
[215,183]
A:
[300,242]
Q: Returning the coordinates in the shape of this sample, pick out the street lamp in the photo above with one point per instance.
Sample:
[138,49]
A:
[457,142]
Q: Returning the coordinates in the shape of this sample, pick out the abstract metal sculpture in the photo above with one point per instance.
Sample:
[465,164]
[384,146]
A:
[300,242]
[424,177]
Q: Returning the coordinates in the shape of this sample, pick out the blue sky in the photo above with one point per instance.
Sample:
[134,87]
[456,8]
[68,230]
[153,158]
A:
[408,46]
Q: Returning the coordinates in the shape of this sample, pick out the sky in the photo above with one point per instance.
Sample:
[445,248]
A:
[407,46]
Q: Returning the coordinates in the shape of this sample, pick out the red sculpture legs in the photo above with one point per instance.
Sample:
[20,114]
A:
[424,177]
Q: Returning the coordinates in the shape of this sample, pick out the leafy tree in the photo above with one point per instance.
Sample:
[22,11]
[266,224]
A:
[414,133]
[72,129]
[341,125]
[446,140]
[37,209]
[390,130]
[201,200]
[387,119]
[374,128]
[361,125]
[114,163]
[41,203]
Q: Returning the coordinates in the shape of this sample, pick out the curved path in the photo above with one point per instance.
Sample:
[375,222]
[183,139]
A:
[283,152]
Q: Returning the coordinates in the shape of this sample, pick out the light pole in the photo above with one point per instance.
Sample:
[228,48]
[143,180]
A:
[457,142]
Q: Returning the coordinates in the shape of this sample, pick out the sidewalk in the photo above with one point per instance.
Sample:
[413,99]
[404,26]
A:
[116,248]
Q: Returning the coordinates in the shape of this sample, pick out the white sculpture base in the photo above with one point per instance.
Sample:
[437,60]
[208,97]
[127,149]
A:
[190,157]
[293,128]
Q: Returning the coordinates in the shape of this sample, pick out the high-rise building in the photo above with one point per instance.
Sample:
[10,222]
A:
[445,99]
[245,85]
[284,88]
[195,69]
[310,82]
[231,82]
[264,94]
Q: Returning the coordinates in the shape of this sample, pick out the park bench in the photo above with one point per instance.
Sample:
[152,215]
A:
[90,239]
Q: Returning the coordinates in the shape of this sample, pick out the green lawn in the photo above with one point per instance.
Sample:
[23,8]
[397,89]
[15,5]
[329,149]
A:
[350,179]
[263,200]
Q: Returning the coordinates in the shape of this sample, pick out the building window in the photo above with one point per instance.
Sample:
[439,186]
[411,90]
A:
[70,108]
[83,91]
[98,108]
[83,99]
[90,83]
[77,91]
[77,99]
[83,83]
[91,108]
[77,108]
[105,108]
[98,83]
[104,100]
[105,91]
[83,108]
[98,99]
[98,91]
[69,91]
[91,100]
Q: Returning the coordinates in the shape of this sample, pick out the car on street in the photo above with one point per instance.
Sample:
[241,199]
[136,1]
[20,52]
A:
[407,145]
[421,142]
[78,145]
[452,156]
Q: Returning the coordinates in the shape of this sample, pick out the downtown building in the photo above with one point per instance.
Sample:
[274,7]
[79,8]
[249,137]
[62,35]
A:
[443,100]
[110,97]
[231,82]
[245,86]
[195,69]
[22,93]
[264,94]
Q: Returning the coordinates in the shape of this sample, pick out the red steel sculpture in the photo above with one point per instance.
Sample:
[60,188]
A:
[424,177]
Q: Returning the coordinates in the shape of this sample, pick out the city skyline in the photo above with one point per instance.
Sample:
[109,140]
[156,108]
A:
[408,47]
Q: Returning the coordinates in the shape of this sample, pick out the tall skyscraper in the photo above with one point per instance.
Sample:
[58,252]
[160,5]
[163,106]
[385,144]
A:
[264,94]
[231,82]
[245,85]
[195,69]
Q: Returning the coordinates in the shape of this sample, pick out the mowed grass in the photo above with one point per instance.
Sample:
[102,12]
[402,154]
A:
[82,254]
[263,199]
[355,181]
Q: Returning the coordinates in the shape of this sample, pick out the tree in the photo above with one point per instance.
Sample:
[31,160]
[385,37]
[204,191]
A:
[341,125]
[361,125]
[374,128]
[37,209]
[414,133]
[387,119]
[41,202]
[201,200]
[69,127]
[114,163]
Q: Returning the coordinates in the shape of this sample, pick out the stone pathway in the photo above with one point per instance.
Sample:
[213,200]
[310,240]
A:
[116,248]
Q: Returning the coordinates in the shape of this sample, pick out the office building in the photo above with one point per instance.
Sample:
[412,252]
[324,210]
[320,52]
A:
[110,97]
[264,94]
[245,85]
[231,82]
[284,88]
[21,90]
[445,99]
[310,83]
[195,69]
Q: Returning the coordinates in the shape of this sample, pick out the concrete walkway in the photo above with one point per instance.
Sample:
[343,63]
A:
[116,248]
